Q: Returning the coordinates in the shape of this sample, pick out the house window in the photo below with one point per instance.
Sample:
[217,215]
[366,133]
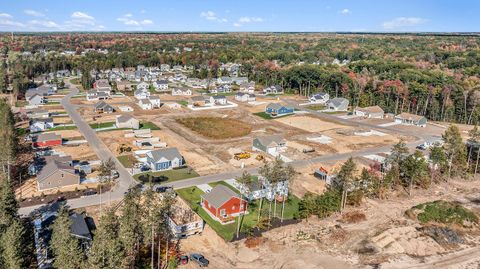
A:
[241,206]
[223,213]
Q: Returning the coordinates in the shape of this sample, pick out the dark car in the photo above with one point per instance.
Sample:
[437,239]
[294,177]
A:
[162,189]
[198,258]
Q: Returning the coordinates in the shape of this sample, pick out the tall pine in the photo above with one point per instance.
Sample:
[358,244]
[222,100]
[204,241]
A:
[65,247]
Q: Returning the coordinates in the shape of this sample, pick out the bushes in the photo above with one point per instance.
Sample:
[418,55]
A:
[320,205]
[443,212]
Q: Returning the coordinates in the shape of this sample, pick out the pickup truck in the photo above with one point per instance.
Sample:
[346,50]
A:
[199,259]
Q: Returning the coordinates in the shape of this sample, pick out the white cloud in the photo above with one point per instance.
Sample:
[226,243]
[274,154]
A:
[33,13]
[5,15]
[44,23]
[211,16]
[81,16]
[345,11]
[143,11]
[250,19]
[6,23]
[128,19]
[237,24]
[403,22]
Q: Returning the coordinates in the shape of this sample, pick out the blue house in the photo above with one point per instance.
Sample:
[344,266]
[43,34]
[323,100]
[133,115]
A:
[275,110]
[164,159]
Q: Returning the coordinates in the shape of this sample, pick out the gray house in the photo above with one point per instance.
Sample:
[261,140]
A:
[164,159]
[56,175]
[337,104]
[80,230]
[36,99]
[102,107]
[127,121]
[272,145]
[411,119]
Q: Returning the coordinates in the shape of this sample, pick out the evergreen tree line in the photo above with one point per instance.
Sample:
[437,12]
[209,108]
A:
[402,171]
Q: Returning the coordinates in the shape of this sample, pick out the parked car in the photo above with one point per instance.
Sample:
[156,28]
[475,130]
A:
[182,259]
[198,258]
[162,189]
[421,147]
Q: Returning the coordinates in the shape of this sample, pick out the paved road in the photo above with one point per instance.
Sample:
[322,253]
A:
[125,180]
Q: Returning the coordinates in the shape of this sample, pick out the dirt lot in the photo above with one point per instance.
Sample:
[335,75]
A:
[81,152]
[29,189]
[216,128]
[330,243]
[311,124]
[68,133]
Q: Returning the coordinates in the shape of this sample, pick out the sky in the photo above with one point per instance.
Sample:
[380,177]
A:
[241,15]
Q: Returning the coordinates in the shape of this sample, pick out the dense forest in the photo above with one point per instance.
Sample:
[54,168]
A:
[432,75]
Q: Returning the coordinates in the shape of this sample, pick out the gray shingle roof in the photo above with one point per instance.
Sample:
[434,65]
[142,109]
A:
[52,167]
[219,195]
[47,137]
[102,105]
[79,227]
[268,140]
[167,153]
[337,101]
[124,118]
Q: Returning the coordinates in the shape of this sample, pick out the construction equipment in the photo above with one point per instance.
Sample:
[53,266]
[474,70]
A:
[260,157]
[308,150]
[241,155]
[124,148]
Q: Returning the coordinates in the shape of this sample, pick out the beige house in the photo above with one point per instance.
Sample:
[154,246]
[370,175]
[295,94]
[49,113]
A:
[57,175]
[127,121]
[124,86]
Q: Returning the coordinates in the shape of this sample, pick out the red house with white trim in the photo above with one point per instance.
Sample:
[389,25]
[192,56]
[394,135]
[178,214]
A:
[223,204]
[47,140]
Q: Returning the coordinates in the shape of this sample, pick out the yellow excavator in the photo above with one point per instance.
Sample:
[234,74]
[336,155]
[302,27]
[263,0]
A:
[241,155]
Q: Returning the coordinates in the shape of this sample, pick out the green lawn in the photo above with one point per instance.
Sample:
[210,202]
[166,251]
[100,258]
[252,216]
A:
[61,128]
[126,160]
[183,102]
[102,125]
[193,195]
[50,103]
[266,116]
[172,175]
[316,107]
[149,125]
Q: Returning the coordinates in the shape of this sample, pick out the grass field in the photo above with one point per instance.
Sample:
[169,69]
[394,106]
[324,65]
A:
[149,125]
[316,107]
[193,195]
[268,117]
[61,128]
[102,125]
[172,175]
[183,102]
[217,128]
[127,160]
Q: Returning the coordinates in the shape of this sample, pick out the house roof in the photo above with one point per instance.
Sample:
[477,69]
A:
[337,101]
[79,227]
[154,97]
[62,159]
[167,153]
[102,83]
[125,118]
[277,106]
[52,167]
[217,97]
[102,105]
[370,109]
[409,116]
[162,81]
[145,101]
[47,137]
[272,139]
[219,195]
[319,95]
[42,120]
[198,98]
[123,82]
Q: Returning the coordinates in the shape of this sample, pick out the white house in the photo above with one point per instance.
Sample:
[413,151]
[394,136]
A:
[161,85]
[181,91]
[245,97]
[273,145]
[218,100]
[126,121]
[319,98]
[143,85]
[276,89]
[337,104]
[39,125]
[94,95]
[141,94]
[164,67]
[145,104]
[248,87]
[155,100]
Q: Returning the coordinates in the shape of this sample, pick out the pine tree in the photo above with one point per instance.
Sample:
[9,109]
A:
[455,151]
[106,251]
[130,230]
[65,247]
[8,204]
[12,245]
[345,179]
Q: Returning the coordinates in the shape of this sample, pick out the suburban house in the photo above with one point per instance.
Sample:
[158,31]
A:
[38,125]
[218,100]
[161,85]
[94,95]
[56,175]
[143,85]
[36,100]
[248,87]
[181,91]
[102,107]
[79,229]
[239,80]
[141,93]
[164,159]
[124,86]
[273,145]
[319,98]
[223,204]
[184,221]
[245,97]
[276,89]
[221,89]
[164,67]
[102,85]
[224,80]
[374,112]
[199,101]
[411,119]
[337,104]
[46,140]
[276,109]
[127,121]
[155,100]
